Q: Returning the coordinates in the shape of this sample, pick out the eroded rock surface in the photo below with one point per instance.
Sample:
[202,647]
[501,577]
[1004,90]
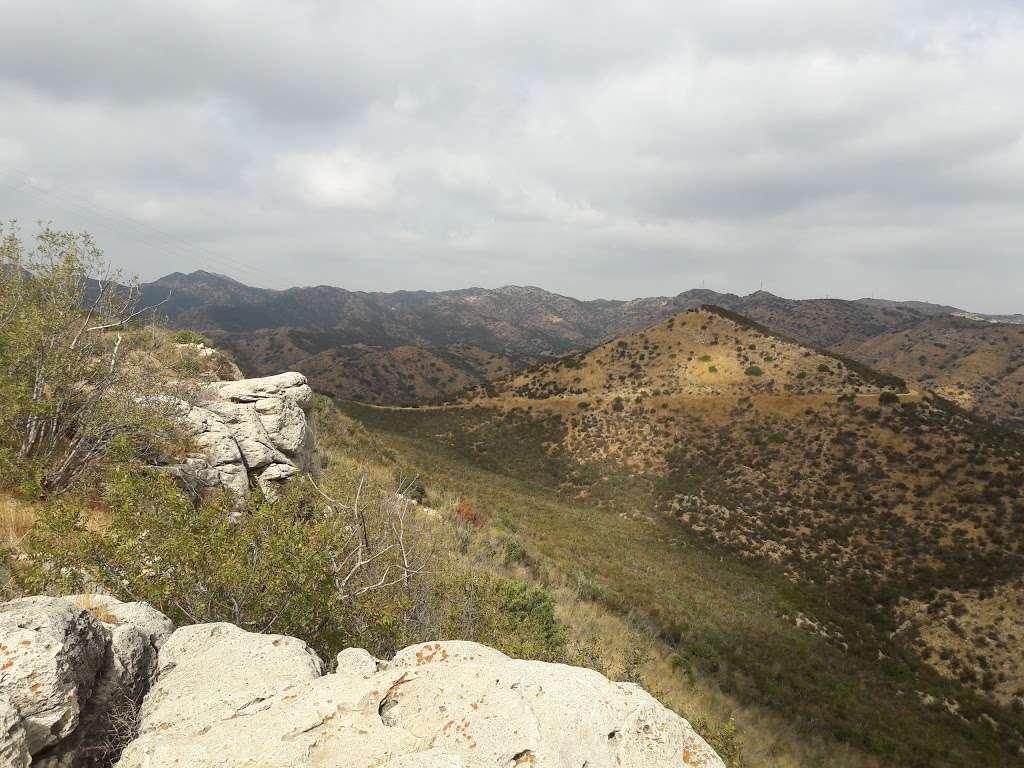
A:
[225,697]
[70,667]
[252,432]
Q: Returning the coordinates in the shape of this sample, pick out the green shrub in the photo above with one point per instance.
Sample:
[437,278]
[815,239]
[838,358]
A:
[276,568]
[705,358]
[754,370]
[888,398]
[515,552]
[822,368]
[725,740]
[190,337]
[617,404]
[72,388]
[712,369]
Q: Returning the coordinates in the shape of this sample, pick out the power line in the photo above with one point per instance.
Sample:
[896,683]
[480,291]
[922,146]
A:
[156,238]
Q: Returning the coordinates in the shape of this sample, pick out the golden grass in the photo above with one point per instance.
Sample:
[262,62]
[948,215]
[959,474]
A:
[16,518]
[94,604]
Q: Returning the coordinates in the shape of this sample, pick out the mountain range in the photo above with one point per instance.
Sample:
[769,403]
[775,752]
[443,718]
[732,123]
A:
[420,346]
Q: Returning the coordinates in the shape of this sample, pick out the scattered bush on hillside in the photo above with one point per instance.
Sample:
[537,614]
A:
[72,393]
[888,398]
[617,404]
[754,370]
[190,337]
[467,513]
[322,572]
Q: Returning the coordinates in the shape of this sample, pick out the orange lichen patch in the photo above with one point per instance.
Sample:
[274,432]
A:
[6,665]
[35,687]
[696,757]
[526,757]
[429,653]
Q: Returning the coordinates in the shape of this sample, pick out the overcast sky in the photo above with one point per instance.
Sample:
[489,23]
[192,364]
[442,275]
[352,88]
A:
[615,149]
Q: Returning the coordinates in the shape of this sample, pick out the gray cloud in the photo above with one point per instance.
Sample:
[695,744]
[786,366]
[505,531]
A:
[610,149]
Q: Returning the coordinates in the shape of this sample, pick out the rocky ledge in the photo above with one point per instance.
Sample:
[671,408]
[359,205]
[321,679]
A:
[220,696]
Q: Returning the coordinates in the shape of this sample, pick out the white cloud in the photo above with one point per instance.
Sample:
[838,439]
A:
[337,179]
[608,148]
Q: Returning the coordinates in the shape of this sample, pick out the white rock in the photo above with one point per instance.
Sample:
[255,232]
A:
[70,665]
[438,705]
[51,653]
[214,672]
[13,743]
[250,433]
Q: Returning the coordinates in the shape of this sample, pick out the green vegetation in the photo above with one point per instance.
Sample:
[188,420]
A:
[754,370]
[726,620]
[888,398]
[350,562]
[73,392]
[190,337]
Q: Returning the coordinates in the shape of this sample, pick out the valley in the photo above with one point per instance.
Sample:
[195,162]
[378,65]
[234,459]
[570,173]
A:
[865,516]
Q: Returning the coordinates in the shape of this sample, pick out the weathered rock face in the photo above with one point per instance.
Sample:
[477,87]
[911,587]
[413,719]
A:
[225,697]
[67,673]
[252,432]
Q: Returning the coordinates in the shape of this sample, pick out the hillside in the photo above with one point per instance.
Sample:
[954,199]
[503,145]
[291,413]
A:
[701,352]
[899,512]
[360,345]
[979,365]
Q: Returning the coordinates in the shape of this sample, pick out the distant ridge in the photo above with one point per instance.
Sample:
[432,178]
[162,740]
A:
[423,346]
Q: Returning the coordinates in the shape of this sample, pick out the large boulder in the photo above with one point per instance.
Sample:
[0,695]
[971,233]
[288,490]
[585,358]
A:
[73,672]
[250,433]
[225,697]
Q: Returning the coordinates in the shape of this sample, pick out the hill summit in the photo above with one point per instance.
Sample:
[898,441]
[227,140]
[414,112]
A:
[705,351]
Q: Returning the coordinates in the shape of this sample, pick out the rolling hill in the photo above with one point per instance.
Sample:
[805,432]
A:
[358,345]
[894,513]
[977,364]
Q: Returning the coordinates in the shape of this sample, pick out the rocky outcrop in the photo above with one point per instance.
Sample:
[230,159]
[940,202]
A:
[227,697]
[73,672]
[249,433]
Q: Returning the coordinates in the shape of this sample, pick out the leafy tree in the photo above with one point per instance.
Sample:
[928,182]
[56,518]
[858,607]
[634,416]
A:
[72,391]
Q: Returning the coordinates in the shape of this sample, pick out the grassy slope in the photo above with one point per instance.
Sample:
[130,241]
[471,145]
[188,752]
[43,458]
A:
[733,622]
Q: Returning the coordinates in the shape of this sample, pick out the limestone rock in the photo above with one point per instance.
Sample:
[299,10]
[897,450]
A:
[13,741]
[216,672]
[252,432]
[69,667]
[435,705]
[52,654]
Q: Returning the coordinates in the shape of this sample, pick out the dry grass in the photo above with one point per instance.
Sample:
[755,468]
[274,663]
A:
[16,518]
[96,605]
[767,739]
